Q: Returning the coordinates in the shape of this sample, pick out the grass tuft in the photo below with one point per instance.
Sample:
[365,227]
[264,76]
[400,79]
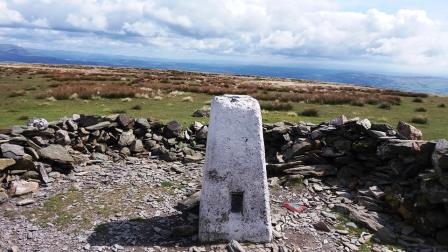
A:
[419,120]
[417,100]
[136,107]
[310,112]
[385,105]
[276,106]
[420,109]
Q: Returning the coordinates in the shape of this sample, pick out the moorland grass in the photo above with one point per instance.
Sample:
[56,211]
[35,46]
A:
[165,108]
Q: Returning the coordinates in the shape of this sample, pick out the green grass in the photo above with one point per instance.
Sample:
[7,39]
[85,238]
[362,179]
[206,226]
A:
[166,184]
[14,110]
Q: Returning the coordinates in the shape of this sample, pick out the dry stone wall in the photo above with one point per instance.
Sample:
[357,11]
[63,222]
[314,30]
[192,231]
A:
[387,170]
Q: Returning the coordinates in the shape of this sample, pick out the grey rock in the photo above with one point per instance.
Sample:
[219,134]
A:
[125,151]
[408,131]
[71,125]
[137,146]
[39,140]
[61,137]
[23,187]
[89,120]
[339,121]
[364,123]
[190,203]
[99,156]
[98,126]
[200,113]
[313,170]
[25,202]
[377,133]
[32,152]
[125,121]
[149,143]
[234,246]
[13,151]
[367,220]
[56,153]
[38,123]
[299,147]
[321,226]
[201,134]
[126,138]
[172,129]
[143,122]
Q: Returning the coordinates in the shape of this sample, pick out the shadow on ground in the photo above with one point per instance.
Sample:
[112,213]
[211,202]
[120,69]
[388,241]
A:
[156,231]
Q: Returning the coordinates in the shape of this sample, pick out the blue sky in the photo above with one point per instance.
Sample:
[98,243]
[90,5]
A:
[384,35]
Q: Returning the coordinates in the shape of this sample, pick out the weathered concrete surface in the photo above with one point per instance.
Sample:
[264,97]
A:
[235,163]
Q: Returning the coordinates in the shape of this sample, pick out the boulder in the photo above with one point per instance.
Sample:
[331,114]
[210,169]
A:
[99,126]
[125,121]
[6,162]
[38,123]
[23,187]
[339,121]
[56,153]
[61,137]
[234,246]
[126,138]
[364,124]
[13,151]
[201,134]
[200,113]
[137,146]
[125,151]
[191,203]
[299,147]
[143,122]
[408,131]
[71,125]
[172,129]
[89,120]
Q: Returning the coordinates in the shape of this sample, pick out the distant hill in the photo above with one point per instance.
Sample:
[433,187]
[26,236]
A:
[13,53]
[404,82]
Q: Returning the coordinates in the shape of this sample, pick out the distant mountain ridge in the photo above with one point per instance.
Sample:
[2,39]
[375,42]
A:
[427,84]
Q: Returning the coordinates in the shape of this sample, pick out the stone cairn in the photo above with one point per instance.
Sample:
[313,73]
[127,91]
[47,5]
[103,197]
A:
[386,170]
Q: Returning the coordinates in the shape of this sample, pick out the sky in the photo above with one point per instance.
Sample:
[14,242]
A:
[383,35]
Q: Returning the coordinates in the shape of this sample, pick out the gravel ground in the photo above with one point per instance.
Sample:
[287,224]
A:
[129,206]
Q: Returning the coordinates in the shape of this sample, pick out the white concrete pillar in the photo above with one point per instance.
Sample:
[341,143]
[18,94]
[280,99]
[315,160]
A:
[235,199]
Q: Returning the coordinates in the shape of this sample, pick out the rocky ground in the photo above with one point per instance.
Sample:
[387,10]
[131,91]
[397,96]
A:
[118,183]
[130,206]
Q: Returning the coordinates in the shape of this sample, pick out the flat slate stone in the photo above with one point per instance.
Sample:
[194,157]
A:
[56,153]
[6,162]
[12,151]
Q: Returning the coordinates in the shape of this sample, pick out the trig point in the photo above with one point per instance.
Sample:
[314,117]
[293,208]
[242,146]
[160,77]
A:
[235,199]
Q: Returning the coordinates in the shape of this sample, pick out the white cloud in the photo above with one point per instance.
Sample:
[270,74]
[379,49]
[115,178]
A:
[87,23]
[9,16]
[291,28]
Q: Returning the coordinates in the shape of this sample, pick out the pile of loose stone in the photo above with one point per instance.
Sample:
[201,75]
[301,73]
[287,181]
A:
[381,169]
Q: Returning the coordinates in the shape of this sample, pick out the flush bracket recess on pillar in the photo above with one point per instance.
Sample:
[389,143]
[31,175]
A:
[236,202]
